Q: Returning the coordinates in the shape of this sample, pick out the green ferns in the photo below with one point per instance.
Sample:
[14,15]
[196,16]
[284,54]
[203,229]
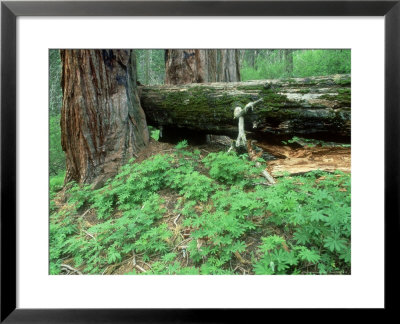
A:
[228,220]
[314,210]
[227,167]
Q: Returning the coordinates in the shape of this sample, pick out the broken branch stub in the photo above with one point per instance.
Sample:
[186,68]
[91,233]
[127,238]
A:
[254,156]
[239,113]
[241,140]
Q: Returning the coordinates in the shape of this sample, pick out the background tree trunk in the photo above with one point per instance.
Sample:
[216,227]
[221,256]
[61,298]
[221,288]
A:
[102,122]
[228,66]
[253,56]
[183,66]
[210,60]
[186,66]
[288,61]
[290,106]
[147,66]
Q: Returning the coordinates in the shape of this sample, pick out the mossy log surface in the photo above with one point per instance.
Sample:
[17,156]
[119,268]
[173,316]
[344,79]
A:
[289,106]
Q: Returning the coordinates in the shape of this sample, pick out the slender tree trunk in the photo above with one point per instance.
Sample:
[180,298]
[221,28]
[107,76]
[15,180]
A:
[241,57]
[281,55]
[289,61]
[253,54]
[151,72]
[252,59]
[147,66]
[102,122]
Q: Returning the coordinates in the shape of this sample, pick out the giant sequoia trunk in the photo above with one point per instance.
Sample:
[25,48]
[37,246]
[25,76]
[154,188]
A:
[289,106]
[184,66]
[228,65]
[102,122]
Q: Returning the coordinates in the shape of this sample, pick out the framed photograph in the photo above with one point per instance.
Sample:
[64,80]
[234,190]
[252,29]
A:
[164,158]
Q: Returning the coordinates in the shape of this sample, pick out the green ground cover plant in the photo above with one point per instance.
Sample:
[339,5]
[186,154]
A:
[185,213]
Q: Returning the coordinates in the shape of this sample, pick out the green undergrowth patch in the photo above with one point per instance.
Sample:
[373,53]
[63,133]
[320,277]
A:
[223,219]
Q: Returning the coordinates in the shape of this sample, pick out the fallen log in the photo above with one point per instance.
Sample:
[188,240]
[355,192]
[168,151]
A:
[289,106]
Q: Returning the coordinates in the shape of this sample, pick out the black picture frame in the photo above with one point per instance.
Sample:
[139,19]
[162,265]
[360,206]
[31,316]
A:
[10,10]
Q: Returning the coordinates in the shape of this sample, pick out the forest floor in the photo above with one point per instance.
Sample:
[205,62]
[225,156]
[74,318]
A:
[293,159]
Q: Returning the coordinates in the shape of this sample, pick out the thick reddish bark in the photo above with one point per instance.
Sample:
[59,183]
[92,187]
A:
[102,122]
[183,66]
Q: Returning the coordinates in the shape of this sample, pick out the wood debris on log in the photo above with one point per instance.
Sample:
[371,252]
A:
[306,159]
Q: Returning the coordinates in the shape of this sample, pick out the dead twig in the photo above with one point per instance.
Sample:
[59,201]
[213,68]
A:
[66,266]
[89,235]
[240,258]
[84,214]
[139,268]
[253,157]
[146,264]
[266,174]
[181,242]
[135,265]
[133,259]
[264,184]
[240,268]
[176,219]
